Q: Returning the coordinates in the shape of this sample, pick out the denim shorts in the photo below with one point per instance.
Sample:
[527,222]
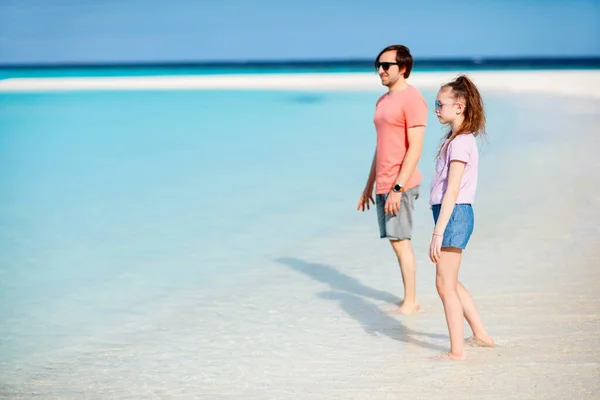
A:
[460,226]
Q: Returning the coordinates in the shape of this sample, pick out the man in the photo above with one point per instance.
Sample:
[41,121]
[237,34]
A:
[400,120]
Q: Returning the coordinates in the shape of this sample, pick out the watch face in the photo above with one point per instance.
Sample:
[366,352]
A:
[397,188]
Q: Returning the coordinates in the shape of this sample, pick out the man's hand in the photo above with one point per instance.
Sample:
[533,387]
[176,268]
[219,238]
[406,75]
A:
[365,197]
[392,204]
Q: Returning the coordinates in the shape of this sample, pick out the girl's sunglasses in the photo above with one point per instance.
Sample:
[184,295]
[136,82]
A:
[385,65]
[439,105]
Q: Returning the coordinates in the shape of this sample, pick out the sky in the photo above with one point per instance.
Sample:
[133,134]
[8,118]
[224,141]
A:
[113,31]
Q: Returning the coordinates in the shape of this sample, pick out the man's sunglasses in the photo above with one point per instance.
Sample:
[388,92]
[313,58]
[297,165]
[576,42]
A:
[385,65]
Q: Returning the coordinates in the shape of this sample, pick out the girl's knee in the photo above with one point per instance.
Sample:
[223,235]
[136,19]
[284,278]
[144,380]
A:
[441,293]
[439,284]
[445,288]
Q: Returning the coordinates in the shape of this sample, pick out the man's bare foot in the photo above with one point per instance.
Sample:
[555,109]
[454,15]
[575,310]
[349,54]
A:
[449,356]
[476,341]
[405,309]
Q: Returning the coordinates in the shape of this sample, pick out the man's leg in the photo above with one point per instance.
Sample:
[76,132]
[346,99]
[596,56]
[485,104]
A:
[408,266]
[400,232]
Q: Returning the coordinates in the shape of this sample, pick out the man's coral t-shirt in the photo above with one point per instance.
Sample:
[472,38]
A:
[394,114]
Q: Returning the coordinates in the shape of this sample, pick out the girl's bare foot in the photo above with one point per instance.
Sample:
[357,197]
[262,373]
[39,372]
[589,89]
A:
[449,356]
[405,309]
[476,341]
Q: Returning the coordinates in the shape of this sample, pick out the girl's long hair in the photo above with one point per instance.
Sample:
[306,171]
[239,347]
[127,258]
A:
[464,89]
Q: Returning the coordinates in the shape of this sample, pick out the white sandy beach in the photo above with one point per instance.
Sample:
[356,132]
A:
[307,324]
[577,83]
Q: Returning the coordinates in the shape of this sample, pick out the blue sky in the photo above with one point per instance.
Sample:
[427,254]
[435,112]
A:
[35,31]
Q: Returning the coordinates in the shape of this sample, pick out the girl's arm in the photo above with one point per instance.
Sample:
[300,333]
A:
[455,174]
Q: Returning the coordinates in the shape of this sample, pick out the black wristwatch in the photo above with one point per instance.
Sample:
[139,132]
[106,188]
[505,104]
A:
[398,189]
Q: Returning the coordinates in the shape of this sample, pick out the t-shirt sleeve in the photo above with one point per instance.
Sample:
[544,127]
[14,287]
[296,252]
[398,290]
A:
[460,148]
[415,112]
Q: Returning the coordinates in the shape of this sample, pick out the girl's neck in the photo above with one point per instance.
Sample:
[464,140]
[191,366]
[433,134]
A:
[456,124]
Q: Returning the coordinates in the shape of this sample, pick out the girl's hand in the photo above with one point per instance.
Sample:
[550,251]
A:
[435,247]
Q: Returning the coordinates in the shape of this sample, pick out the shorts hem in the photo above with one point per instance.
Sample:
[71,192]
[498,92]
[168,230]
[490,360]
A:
[453,246]
[395,238]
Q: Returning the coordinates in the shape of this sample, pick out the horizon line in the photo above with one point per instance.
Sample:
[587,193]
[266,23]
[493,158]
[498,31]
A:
[541,61]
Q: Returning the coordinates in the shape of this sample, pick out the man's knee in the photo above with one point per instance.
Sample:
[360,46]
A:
[401,246]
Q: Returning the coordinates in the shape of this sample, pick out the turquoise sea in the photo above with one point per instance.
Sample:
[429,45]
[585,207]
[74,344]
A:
[113,201]
[296,67]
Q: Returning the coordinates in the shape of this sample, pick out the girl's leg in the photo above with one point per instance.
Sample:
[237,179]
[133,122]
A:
[447,287]
[480,336]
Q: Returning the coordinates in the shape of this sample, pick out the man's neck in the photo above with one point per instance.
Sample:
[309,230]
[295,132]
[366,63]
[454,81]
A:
[399,86]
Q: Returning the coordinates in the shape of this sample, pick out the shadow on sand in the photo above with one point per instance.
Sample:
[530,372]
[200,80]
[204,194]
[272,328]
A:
[349,293]
[337,280]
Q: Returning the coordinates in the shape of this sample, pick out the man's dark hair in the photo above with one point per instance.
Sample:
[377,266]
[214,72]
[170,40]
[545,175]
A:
[403,57]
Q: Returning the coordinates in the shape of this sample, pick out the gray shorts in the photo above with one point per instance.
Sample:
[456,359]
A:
[399,226]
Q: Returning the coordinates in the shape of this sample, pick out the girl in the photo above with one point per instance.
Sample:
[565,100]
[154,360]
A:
[458,105]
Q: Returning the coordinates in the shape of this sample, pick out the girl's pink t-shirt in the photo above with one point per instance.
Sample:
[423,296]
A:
[462,148]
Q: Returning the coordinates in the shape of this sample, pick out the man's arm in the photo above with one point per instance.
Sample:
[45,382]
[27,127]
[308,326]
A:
[416,135]
[371,179]
[367,194]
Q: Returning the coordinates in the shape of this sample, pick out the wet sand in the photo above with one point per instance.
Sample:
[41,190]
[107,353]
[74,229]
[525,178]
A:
[307,324]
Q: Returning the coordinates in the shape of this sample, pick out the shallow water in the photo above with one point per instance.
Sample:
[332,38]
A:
[181,243]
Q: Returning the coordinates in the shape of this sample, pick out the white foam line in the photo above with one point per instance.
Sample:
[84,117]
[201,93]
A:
[580,83]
